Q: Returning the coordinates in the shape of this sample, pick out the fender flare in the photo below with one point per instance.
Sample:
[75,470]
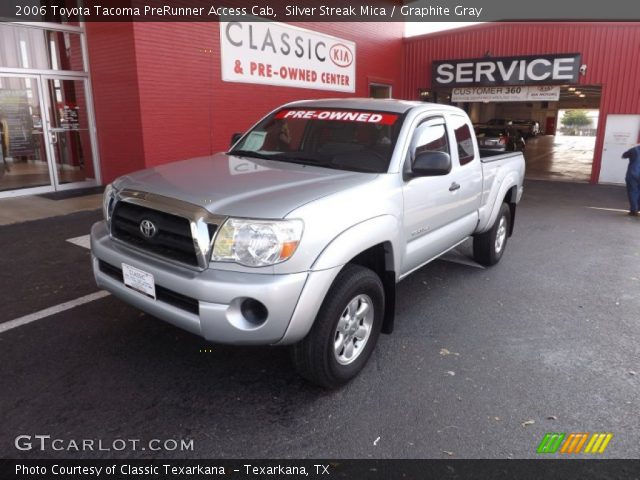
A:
[506,184]
[358,238]
[343,248]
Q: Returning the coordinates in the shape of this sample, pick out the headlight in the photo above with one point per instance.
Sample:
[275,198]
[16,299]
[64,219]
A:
[107,202]
[256,243]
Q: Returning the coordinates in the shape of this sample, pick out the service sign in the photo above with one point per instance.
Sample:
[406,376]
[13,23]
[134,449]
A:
[271,53]
[538,93]
[529,70]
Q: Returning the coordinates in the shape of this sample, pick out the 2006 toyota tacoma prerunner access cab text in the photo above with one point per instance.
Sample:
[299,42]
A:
[299,234]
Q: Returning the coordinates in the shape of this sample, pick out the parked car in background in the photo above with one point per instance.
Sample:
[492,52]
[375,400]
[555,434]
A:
[502,122]
[528,128]
[500,139]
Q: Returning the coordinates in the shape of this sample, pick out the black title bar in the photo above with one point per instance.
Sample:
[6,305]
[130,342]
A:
[315,10]
[319,469]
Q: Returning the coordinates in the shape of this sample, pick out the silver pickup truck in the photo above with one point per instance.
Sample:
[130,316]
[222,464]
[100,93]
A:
[299,234]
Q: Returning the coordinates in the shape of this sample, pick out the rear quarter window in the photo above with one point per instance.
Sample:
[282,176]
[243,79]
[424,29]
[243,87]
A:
[464,140]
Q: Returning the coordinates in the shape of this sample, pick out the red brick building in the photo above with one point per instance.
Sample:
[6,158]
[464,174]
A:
[81,104]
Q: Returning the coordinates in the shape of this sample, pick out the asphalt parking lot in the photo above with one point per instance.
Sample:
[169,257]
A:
[482,364]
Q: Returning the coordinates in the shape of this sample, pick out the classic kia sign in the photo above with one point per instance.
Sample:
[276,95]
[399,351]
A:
[278,54]
[527,70]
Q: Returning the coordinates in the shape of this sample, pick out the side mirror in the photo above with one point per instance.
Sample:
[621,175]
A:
[234,138]
[431,164]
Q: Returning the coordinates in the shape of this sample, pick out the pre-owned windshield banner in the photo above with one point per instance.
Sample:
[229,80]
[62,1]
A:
[339,115]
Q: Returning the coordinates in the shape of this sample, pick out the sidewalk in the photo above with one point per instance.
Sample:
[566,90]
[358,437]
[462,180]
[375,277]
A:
[35,207]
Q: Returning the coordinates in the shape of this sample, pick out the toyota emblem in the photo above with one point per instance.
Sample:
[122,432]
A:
[148,228]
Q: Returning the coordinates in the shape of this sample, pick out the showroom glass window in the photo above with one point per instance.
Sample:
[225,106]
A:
[40,49]
[46,112]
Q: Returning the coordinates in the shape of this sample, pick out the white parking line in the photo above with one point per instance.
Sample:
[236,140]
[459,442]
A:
[82,241]
[609,209]
[47,312]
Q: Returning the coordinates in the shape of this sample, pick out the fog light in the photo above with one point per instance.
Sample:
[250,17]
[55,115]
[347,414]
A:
[254,311]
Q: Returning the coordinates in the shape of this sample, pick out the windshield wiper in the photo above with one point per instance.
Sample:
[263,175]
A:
[250,154]
[299,157]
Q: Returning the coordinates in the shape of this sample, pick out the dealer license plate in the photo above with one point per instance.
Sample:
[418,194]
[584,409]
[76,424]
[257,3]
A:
[139,280]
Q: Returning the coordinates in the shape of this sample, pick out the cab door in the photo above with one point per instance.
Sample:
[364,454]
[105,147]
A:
[440,209]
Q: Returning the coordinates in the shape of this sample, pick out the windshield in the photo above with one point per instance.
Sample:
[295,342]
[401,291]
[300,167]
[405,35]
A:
[357,140]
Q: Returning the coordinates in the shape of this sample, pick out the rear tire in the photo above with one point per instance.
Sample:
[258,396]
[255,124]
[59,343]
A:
[345,330]
[489,246]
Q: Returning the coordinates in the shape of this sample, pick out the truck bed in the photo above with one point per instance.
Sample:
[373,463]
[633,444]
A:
[493,156]
[497,167]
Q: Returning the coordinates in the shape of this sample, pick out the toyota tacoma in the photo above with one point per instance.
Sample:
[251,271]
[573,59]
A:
[300,233]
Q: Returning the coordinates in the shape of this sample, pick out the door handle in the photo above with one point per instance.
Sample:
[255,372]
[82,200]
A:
[53,138]
[454,186]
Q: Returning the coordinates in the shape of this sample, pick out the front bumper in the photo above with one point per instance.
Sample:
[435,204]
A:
[216,295]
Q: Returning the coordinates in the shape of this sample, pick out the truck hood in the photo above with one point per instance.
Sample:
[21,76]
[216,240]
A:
[242,187]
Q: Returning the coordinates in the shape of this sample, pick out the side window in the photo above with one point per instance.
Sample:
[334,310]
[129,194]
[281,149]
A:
[464,140]
[429,137]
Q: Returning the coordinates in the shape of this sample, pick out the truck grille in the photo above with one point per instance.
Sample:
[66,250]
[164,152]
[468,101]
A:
[171,238]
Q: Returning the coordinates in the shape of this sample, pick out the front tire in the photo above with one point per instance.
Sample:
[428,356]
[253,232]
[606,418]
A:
[345,331]
[488,247]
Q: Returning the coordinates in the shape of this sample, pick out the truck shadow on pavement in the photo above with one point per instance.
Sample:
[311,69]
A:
[146,378]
